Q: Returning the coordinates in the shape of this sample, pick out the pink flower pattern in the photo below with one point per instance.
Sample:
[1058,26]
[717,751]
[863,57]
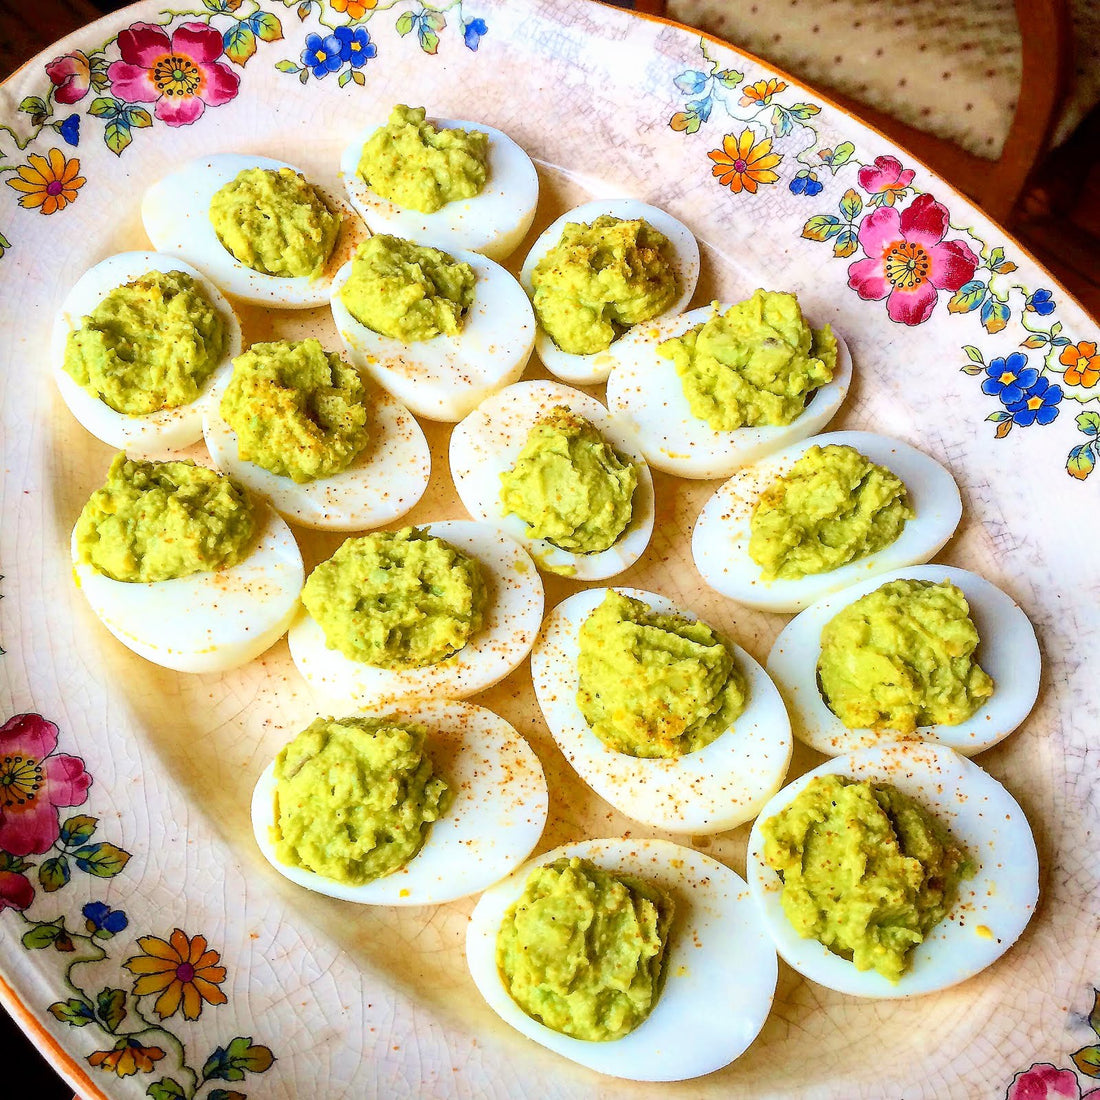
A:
[71,76]
[182,75]
[908,262]
[16,891]
[885,177]
[1046,1082]
[33,783]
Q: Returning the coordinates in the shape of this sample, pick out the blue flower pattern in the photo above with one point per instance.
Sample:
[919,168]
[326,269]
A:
[322,55]
[1009,378]
[473,31]
[355,45]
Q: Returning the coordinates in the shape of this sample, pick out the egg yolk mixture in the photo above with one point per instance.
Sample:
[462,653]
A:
[413,164]
[902,657]
[601,278]
[148,345]
[652,684]
[753,365]
[297,411]
[275,222]
[583,949]
[407,291]
[569,485]
[155,521]
[833,506]
[354,798]
[866,870]
[397,599]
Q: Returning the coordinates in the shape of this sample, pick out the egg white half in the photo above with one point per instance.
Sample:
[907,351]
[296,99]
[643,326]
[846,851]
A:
[493,222]
[720,540]
[496,817]
[992,908]
[644,388]
[511,624]
[205,622]
[176,214]
[383,482]
[1007,650]
[445,377]
[720,965]
[167,429]
[588,370]
[708,791]
[487,443]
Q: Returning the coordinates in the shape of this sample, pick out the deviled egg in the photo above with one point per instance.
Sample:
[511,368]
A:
[490,440]
[590,368]
[709,790]
[992,908]
[720,968]
[722,533]
[168,428]
[488,823]
[176,213]
[1007,652]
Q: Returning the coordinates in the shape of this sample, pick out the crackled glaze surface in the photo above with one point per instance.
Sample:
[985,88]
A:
[962,346]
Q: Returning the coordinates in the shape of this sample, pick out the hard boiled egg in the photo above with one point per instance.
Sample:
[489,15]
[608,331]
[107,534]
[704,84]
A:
[716,788]
[445,377]
[487,443]
[167,429]
[719,964]
[176,214]
[720,540]
[209,621]
[992,909]
[512,620]
[496,817]
[644,388]
[493,222]
[386,479]
[588,370]
[1008,651]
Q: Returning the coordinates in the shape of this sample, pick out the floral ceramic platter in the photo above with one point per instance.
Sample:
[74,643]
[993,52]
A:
[146,945]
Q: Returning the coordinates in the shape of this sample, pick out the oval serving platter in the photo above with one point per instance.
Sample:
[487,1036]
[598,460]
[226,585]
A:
[144,942]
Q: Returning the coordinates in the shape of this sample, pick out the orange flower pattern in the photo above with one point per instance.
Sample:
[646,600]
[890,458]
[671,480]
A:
[761,92]
[181,971]
[355,9]
[743,163]
[48,183]
[1082,364]
[127,1057]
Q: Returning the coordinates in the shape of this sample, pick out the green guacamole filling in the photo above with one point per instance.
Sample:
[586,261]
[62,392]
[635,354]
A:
[297,411]
[866,870]
[652,684]
[413,164]
[902,657]
[155,521]
[275,222]
[354,798]
[407,291]
[583,949]
[756,364]
[569,485]
[833,506]
[600,279]
[148,345]
[397,599]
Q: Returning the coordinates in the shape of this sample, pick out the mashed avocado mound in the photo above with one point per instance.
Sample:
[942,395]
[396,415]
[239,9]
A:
[866,870]
[569,485]
[833,506]
[148,345]
[753,365]
[600,279]
[354,798]
[154,521]
[411,163]
[297,410]
[275,222]
[902,657]
[397,599]
[652,684]
[583,949]
[407,291]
